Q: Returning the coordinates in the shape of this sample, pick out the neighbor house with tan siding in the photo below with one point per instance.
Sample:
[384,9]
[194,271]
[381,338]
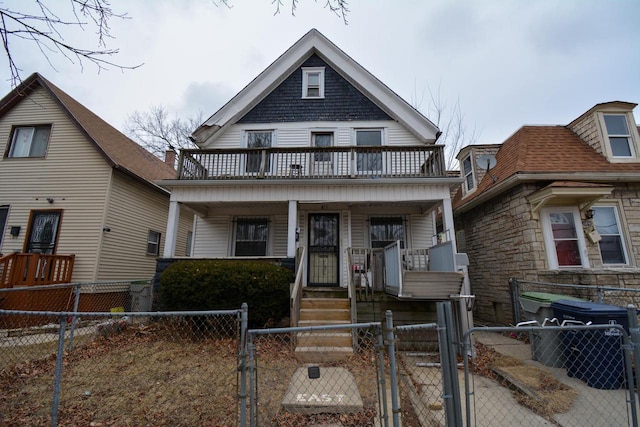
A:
[75,192]
[552,204]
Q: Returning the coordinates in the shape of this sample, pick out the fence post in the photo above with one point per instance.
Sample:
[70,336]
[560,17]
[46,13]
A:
[76,303]
[395,407]
[243,364]
[252,382]
[515,294]
[632,314]
[62,320]
[382,381]
[449,364]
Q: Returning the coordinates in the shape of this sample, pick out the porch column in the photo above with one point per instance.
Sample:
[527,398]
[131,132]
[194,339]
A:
[293,225]
[447,222]
[172,229]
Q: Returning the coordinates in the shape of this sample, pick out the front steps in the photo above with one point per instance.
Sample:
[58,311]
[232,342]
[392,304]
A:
[321,307]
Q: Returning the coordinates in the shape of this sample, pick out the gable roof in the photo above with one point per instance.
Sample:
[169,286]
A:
[544,153]
[119,151]
[315,43]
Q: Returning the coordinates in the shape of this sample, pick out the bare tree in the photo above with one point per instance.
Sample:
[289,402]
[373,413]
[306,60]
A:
[44,28]
[157,132]
[450,120]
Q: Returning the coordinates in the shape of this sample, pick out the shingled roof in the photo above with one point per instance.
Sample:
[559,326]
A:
[544,153]
[119,151]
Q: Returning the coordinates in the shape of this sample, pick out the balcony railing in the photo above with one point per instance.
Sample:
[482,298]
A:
[313,162]
[31,269]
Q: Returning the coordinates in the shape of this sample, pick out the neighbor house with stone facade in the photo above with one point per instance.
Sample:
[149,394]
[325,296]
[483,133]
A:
[554,204]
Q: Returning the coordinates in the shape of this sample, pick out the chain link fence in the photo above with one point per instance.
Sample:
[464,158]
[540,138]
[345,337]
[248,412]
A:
[318,375]
[124,368]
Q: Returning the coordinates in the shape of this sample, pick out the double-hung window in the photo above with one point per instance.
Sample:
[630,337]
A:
[153,243]
[467,170]
[252,235]
[313,82]
[29,141]
[386,230]
[564,239]
[258,159]
[611,244]
[4,212]
[620,141]
[369,160]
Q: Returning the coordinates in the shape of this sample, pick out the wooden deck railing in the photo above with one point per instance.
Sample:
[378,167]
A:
[27,269]
[313,163]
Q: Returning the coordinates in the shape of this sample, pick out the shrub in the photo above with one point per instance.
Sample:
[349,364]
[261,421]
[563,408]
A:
[190,285]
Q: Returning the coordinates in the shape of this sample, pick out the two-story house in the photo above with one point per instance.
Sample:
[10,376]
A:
[552,204]
[317,161]
[78,199]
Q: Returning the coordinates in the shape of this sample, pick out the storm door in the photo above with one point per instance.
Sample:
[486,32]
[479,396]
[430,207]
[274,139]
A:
[323,250]
[43,232]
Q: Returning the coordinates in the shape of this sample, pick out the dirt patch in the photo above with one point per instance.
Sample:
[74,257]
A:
[532,387]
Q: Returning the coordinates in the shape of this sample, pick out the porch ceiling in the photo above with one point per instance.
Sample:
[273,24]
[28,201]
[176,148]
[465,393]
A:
[205,208]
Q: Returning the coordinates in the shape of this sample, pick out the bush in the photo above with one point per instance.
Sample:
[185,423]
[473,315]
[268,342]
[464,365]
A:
[190,285]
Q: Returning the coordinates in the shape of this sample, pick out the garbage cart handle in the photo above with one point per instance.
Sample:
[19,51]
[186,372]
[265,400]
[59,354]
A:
[528,323]
[548,321]
[572,322]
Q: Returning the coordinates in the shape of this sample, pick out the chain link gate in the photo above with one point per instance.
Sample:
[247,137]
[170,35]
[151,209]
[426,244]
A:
[317,375]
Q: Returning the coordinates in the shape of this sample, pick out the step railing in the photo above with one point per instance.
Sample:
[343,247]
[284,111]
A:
[296,290]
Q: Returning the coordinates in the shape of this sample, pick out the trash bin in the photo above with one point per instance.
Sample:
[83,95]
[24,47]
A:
[593,356]
[546,346]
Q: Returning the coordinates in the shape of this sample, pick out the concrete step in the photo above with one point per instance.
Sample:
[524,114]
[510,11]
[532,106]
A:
[324,303]
[325,314]
[332,292]
[323,354]
[314,322]
[324,339]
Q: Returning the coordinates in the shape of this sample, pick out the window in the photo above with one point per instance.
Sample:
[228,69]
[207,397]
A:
[251,236]
[467,171]
[43,232]
[313,82]
[386,230]
[369,161]
[4,212]
[564,238]
[29,141]
[619,136]
[607,223]
[322,139]
[258,140]
[153,243]
[187,251]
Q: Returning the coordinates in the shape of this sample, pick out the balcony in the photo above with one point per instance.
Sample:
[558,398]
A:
[313,163]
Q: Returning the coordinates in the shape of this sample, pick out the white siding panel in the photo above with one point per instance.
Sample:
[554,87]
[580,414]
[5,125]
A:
[212,237]
[359,231]
[280,238]
[73,174]
[398,135]
[421,228]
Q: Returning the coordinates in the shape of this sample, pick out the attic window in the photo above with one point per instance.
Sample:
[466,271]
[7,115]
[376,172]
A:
[29,141]
[313,82]
[619,136]
[467,171]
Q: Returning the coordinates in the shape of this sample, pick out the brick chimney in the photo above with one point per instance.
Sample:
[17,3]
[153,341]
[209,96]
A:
[170,157]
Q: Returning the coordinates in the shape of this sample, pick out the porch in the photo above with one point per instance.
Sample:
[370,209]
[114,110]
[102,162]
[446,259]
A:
[35,269]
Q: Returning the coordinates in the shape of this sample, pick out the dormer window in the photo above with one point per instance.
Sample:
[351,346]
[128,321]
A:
[313,82]
[467,171]
[620,141]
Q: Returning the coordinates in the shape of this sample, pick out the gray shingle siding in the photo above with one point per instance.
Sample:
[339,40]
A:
[342,101]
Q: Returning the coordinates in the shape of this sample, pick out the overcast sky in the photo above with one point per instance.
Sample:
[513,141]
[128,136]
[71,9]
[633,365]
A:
[509,63]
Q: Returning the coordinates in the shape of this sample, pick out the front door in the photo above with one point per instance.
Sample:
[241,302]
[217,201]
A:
[43,231]
[323,250]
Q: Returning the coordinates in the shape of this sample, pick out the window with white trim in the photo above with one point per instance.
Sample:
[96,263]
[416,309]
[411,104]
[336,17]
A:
[153,243]
[612,244]
[313,82]
[384,231]
[251,236]
[258,139]
[29,141]
[467,172]
[369,161]
[563,237]
[620,141]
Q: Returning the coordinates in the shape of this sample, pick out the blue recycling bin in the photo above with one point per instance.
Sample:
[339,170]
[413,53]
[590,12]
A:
[595,357]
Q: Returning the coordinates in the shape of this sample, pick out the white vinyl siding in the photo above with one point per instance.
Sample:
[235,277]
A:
[211,239]
[297,134]
[420,231]
[280,226]
[77,178]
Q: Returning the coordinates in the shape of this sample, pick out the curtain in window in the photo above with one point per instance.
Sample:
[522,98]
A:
[565,237]
[251,236]
[611,245]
